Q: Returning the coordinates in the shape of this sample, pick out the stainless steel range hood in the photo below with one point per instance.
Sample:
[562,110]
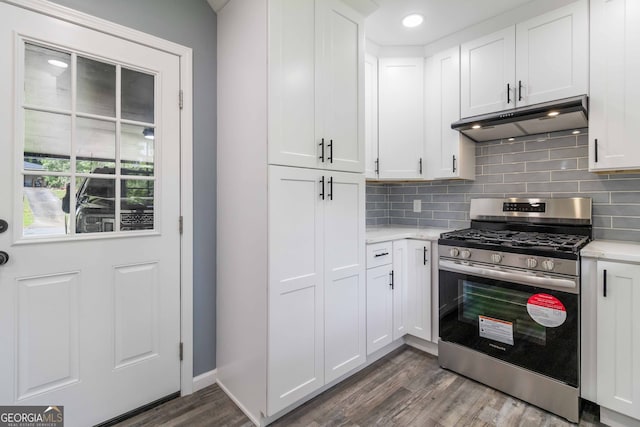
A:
[563,114]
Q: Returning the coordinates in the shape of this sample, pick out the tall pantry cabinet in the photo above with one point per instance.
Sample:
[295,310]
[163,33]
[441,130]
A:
[290,201]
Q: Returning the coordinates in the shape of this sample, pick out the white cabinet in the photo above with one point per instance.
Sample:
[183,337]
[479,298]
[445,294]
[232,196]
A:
[419,288]
[316,66]
[400,288]
[379,307]
[386,293]
[487,73]
[291,268]
[542,59]
[401,118]
[371,116]
[618,337]
[451,154]
[614,101]
[317,282]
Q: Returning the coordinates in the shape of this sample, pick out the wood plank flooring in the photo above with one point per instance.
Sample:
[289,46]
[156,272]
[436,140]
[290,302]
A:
[405,388]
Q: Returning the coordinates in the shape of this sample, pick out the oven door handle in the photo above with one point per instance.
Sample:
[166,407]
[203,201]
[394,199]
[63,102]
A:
[519,277]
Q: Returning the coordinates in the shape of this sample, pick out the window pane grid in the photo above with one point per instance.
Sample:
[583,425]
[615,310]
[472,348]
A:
[102,183]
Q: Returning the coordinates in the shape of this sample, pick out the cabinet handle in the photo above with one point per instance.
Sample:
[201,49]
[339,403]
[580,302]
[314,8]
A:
[331,151]
[508,93]
[381,254]
[604,284]
[322,186]
[322,150]
[454,164]
[330,188]
[596,144]
[420,165]
[377,166]
[391,275]
[424,255]
[519,90]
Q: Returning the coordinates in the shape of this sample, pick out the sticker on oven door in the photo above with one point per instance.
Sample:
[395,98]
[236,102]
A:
[496,329]
[546,310]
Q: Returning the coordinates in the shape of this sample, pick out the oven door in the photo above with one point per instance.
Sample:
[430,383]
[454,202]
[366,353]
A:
[530,326]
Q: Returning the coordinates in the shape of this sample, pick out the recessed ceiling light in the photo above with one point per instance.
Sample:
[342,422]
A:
[553,113]
[57,63]
[476,127]
[575,132]
[412,20]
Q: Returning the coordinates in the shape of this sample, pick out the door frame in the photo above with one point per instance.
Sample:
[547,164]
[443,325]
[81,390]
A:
[185,55]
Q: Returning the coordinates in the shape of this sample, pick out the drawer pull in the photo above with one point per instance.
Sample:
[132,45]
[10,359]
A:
[381,254]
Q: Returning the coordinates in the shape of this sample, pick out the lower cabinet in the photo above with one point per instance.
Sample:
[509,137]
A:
[419,288]
[618,337]
[316,316]
[398,291]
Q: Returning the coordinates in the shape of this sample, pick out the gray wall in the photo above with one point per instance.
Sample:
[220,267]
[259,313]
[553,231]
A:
[191,23]
[539,166]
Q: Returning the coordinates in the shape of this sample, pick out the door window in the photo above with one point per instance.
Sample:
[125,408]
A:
[88,145]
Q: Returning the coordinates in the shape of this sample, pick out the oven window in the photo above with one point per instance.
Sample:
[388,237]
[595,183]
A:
[500,309]
[495,318]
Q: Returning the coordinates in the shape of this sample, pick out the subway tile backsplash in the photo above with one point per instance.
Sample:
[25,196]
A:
[528,167]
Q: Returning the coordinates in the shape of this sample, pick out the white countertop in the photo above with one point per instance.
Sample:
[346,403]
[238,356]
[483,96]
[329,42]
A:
[612,250]
[396,232]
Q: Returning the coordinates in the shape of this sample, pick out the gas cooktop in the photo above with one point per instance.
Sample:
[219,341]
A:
[519,239]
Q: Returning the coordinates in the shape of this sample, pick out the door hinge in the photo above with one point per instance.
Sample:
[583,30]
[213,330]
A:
[181,224]
[181,99]
[181,351]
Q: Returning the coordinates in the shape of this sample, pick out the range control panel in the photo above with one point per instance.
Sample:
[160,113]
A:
[523,207]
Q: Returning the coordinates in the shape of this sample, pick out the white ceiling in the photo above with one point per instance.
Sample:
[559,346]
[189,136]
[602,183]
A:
[441,18]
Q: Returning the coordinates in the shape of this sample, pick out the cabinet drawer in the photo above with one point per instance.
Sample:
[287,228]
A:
[379,254]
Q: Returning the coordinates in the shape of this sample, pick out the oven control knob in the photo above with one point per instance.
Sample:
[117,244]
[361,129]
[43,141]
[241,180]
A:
[454,252]
[532,263]
[496,258]
[465,253]
[548,264]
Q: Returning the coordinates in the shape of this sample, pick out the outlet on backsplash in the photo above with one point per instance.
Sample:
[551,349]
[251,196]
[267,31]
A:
[417,205]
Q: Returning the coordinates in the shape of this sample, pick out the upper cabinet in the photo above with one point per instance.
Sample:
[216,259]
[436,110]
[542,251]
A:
[614,102]
[451,154]
[371,116]
[542,59]
[316,69]
[401,118]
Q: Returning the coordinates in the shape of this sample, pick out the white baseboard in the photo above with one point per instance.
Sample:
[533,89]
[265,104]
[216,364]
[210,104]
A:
[616,419]
[205,380]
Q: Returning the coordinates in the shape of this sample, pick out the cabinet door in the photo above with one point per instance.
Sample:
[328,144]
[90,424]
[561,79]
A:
[379,307]
[294,50]
[296,290]
[614,101]
[344,255]
[401,118]
[400,297]
[451,154]
[419,289]
[342,74]
[552,55]
[618,337]
[371,116]
[487,73]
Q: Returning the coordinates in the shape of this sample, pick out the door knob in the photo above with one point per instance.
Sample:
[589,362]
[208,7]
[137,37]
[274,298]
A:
[4,257]
[3,225]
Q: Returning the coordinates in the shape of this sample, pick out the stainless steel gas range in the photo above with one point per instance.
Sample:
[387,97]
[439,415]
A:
[509,299]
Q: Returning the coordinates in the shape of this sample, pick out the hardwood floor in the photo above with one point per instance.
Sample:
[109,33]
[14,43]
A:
[405,388]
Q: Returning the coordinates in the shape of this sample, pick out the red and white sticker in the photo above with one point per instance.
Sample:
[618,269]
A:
[546,310]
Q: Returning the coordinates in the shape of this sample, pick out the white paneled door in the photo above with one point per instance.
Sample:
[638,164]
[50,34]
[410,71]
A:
[90,190]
